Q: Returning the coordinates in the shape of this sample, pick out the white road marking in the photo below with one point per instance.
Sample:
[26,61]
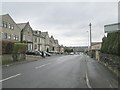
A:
[10,77]
[42,65]
[87,80]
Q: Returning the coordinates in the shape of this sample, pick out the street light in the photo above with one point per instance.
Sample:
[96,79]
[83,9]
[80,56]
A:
[88,40]
[90,36]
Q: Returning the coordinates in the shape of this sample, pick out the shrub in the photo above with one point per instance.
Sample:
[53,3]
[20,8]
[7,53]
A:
[111,43]
[7,47]
[19,48]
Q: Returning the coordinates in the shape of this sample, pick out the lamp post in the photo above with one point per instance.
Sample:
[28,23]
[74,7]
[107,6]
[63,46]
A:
[88,40]
[90,36]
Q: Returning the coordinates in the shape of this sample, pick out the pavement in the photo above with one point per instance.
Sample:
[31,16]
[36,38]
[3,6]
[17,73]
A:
[29,58]
[65,71]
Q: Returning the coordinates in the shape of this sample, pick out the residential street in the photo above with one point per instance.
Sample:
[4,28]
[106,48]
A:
[66,71]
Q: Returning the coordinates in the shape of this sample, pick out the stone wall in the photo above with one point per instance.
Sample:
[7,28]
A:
[112,62]
[7,58]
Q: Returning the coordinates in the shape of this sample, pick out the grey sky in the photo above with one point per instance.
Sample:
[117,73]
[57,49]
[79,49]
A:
[66,21]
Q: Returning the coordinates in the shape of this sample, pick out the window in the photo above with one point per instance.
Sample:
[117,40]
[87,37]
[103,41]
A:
[38,32]
[39,40]
[35,46]
[14,37]
[12,27]
[17,37]
[23,37]
[9,26]
[4,36]
[5,24]
[9,36]
[35,39]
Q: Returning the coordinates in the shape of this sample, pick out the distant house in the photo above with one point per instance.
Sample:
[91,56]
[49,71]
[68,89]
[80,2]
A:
[57,49]
[61,48]
[9,29]
[38,40]
[96,47]
[47,41]
[26,34]
[52,44]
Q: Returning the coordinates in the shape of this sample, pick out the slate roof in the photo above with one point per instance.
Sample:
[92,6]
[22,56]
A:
[21,25]
[36,34]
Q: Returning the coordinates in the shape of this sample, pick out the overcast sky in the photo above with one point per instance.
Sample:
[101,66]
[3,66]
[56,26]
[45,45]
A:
[66,21]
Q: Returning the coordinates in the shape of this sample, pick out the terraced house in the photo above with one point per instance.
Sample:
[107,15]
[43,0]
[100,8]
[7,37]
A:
[23,32]
[57,46]
[38,40]
[26,34]
[9,31]
[52,44]
[47,41]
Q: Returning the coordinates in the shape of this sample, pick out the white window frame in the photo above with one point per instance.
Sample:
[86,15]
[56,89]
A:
[4,36]
[24,37]
[9,26]
[5,24]
[9,36]
[12,27]
[14,37]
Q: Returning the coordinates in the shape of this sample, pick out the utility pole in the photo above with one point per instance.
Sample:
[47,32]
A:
[90,36]
[88,40]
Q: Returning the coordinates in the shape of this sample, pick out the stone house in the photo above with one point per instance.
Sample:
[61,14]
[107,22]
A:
[61,49]
[9,31]
[46,41]
[57,49]
[26,34]
[95,48]
[23,32]
[38,40]
[52,44]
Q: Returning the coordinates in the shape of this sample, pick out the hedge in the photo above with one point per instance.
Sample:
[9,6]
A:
[111,44]
[11,47]
[19,48]
[7,47]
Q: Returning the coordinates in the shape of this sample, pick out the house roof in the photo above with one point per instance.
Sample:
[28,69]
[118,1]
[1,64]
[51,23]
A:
[35,32]
[112,24]
[21,25]
[11,19]
[44,33]
[56,41]
[94,43]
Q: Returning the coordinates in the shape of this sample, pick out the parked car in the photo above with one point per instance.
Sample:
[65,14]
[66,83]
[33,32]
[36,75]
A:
[72,53]
[47,54]
[30,52]
[38,53]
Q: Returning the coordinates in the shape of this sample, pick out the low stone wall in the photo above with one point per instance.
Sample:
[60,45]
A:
[7,58]
[33,57]
[112,62]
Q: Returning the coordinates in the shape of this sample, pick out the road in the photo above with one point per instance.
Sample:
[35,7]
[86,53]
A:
[66,71]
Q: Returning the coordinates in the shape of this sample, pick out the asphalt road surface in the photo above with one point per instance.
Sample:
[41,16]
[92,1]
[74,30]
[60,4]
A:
[66,71]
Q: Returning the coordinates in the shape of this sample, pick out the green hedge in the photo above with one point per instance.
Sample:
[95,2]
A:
[111,44]
[11,47]
[7,47]
[19,48]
